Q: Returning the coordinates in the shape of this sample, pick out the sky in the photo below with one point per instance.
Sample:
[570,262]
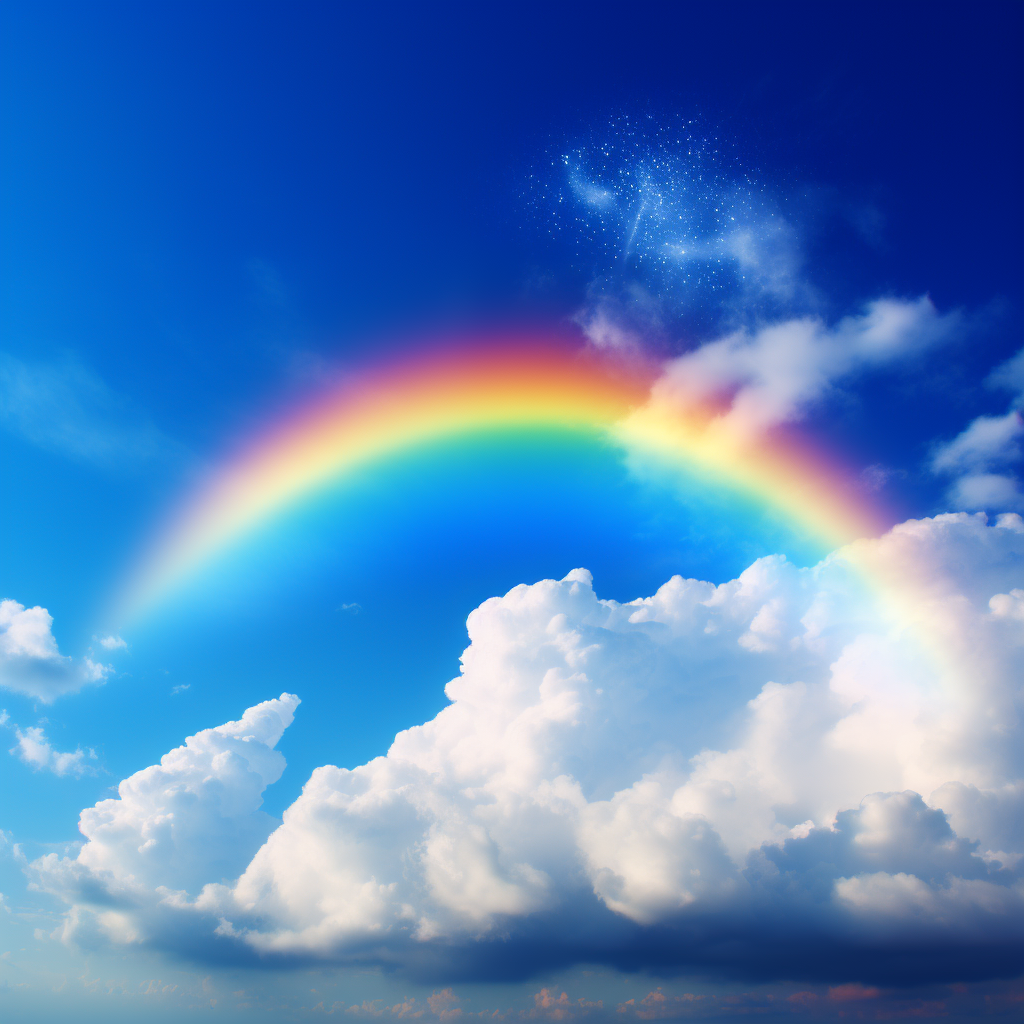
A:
[512,511]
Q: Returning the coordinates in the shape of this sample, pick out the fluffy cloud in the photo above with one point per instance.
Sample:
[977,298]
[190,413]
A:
[179,824]
[36,750]
[30,662]
[755,777]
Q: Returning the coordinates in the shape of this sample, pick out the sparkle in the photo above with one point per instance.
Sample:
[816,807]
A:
[673,210]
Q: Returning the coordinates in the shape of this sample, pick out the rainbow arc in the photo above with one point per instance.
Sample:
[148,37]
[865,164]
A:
[456,392]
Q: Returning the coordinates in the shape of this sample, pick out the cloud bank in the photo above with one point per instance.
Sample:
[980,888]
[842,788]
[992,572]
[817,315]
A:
[796,773]
[30,662]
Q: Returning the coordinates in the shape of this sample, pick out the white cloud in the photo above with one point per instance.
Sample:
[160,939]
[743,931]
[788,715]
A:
[112,643]
[775,374]
[987,491]
[35,749]
[191,819]
[65,407]
[983,457]
[30,662]
[1009,376]
[990,441]
[795,761]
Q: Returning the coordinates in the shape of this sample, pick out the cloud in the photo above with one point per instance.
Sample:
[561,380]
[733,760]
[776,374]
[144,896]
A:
[65,407]
[662,205]
[776,373]
[629,321]
[30,662]
[875,477]
[112,643]
[986,491]
[194,817]
[982,459]
[35,749]
[811,773]
[656,1005]
[677,239]
[988,442]
[1009,376]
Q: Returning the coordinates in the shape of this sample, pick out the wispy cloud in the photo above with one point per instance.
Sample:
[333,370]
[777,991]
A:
[664,202]
[984,459]
[65,407]
[673,232]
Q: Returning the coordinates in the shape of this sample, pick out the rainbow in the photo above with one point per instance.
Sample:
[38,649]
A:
[457,391]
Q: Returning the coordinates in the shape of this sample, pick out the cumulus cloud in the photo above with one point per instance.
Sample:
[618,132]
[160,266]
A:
[983,458]
[36,750]
[176,825]
[772,375]
[30,662]
[112,643]
[796,773]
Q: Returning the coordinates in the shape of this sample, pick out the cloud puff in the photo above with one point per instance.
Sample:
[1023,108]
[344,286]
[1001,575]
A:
[36,750]
[774,374]
[30,662]
[802,772]
[112,643]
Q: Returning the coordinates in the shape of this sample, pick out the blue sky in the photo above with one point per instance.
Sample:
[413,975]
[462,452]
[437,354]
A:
[210,211]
